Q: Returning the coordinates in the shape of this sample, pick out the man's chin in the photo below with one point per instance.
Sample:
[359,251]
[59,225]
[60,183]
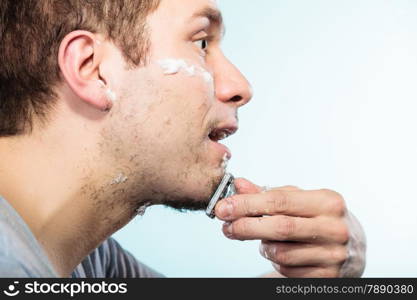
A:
[187,205]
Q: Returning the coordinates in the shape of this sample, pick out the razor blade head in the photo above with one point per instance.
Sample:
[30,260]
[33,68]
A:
[225,189]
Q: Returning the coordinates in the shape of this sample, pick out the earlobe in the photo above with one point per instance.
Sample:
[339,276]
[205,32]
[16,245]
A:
[79,60]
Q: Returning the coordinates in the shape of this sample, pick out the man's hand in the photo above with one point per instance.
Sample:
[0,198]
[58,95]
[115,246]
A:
[304,233]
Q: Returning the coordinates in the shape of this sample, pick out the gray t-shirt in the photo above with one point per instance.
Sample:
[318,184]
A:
[22,256]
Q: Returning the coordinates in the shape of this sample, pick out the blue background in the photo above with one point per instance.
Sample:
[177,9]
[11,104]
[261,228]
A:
[334,107]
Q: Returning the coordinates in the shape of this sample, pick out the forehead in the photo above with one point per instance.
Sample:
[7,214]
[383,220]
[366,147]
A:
[188,4]
[179,11]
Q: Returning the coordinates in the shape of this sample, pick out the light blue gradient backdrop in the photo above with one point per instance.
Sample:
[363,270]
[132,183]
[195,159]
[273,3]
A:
[335,106]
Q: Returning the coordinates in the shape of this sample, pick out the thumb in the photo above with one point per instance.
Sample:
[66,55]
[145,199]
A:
[244,186]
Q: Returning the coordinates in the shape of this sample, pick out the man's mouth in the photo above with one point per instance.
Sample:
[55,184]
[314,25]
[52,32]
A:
[221,133]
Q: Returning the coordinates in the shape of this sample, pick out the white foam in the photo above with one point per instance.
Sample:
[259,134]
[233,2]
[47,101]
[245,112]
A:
[140,211]
[119,179]
[172,66]
[111,95]
[225,162]
[207,76]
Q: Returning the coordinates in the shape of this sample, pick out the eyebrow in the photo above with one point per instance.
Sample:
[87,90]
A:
[213,15]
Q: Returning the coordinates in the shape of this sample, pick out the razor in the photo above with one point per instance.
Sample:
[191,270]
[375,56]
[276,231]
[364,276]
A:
[225,189]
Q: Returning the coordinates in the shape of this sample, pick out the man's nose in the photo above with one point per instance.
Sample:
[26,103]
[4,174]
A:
[231,85]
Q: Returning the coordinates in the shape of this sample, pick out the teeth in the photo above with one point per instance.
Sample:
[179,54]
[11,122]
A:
[223,135]
[219,135]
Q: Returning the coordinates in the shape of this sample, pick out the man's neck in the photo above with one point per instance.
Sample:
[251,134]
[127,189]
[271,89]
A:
[57,198]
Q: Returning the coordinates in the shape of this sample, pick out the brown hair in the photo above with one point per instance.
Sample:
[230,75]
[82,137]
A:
[30,34]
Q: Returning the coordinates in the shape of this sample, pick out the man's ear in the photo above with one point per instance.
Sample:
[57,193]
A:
[79,58]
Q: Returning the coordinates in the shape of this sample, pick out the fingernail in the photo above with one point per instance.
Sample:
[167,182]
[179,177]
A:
[227,227]
[268,253]
[226,209]
[274,253]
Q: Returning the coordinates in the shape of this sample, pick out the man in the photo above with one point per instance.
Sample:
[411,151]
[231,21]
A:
[108,107]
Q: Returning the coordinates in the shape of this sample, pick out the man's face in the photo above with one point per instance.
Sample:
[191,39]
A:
[164,129]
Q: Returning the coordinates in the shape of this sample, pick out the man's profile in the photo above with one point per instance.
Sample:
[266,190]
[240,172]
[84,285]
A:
[108,107]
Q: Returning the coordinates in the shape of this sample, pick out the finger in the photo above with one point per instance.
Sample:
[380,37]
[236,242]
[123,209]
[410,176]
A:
[244,186]
[288,188]
[308,272]
[285,228]
[303,254]
[294,203]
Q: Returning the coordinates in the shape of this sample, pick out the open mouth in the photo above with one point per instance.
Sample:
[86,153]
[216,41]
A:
[219,134]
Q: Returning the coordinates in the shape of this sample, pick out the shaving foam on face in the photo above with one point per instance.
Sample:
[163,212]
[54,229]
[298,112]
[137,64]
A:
[172,66]
[111,95]
[207,76]
[119,179]
[140,211]
[225,162]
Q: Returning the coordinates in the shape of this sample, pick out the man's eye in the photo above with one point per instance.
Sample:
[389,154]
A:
[202,44]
